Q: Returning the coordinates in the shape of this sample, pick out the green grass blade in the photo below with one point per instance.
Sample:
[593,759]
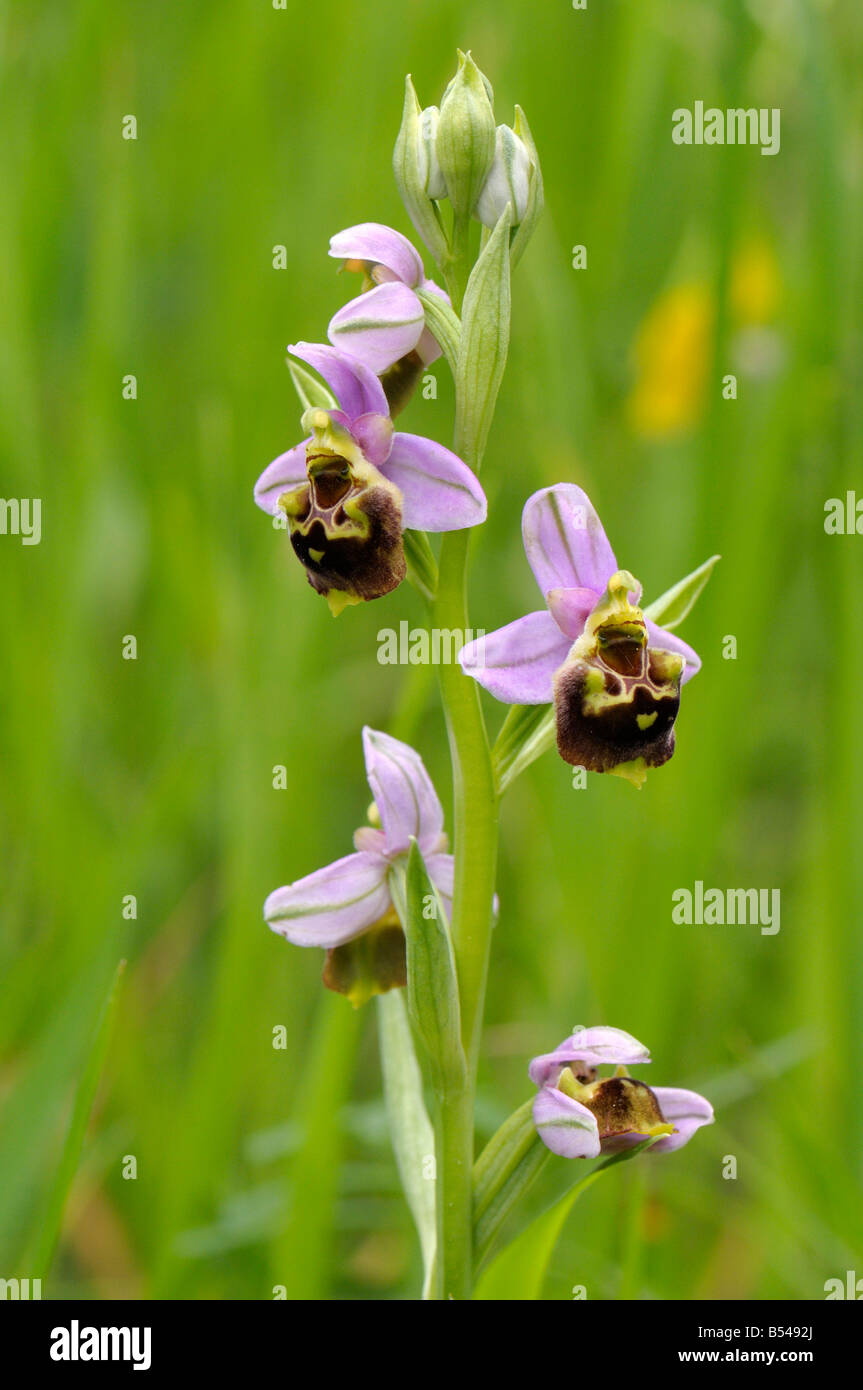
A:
[85,1094]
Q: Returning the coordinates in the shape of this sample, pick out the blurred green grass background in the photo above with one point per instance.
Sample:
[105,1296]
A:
[153,777]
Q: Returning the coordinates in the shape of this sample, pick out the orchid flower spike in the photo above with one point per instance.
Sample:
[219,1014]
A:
[354,485]
[385,325]
[578,1115]
[613,675]
[347,907]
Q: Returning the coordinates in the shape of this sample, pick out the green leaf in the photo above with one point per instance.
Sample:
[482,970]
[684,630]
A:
[421,563]
[444,324]
[507,1166]
[527,732]
[484,343]
[672,607]
[75,1134]
[35,1112]
[410,1127]
[312,393]
[519,1271]
[433,1000]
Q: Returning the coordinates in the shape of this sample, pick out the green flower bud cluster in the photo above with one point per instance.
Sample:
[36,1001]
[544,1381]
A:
[455,153]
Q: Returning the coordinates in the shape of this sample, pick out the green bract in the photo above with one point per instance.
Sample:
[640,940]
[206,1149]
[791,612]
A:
[433,1003]
[672,607]
[484,340]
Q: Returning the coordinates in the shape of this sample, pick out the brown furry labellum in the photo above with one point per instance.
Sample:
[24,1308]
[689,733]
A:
[346,529]
[622,1105]
[615,697]
[370,964]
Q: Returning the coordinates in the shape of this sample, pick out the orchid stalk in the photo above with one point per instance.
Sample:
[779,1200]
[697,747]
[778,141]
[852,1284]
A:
[593,669]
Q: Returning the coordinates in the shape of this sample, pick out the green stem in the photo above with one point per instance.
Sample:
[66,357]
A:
[474,784]
[456,267]
[454,1192]
[434,1010]
[475,800]
[475,826]
[475,832]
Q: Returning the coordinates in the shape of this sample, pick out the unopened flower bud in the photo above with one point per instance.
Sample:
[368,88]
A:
[465,136]
[509,180]
[535,200]
[417,172]
[431,178]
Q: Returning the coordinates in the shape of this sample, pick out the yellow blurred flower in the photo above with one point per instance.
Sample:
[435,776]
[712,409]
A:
[672,350]
[673,347]
[755,285]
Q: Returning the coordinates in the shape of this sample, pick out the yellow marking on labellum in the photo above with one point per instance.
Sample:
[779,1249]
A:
[318,555]
[338,600]
[295,502]
[644,721]
[635,771]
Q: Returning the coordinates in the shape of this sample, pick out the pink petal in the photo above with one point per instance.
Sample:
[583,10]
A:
[428,347]
[565,1125]
[594,1047]
[284,473]
[686,1110]
[517,662]
[374,434]
[440,493]
[381,245]
[407,802]
[429,287]
[571,609]
[564,540]
[380,326]
[331,905]
[355,386]
[441,871]
[369,838]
